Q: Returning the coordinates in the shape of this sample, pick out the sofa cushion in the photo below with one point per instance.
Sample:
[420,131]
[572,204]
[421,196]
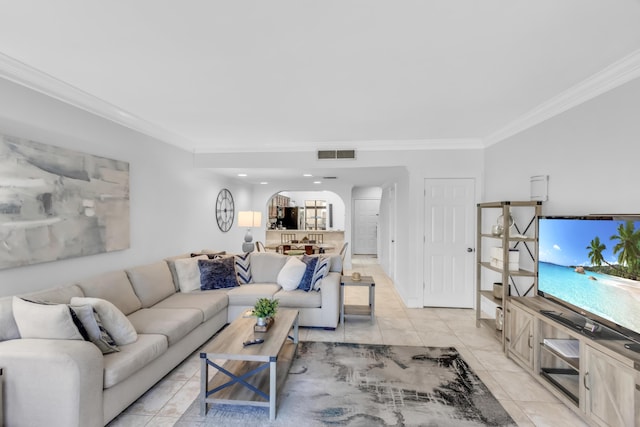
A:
[114,287]
[249,294]
[173,323]
[217,273]
[188,273]
[291,273]
[172,267]
[45,321]
[335,261]
[114,321]
[9,329]
[132,357]
[209,303]
[59,295]
[265,266]
[298,299]
[152,282]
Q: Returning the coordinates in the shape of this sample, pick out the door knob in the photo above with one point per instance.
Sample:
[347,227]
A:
[469,249]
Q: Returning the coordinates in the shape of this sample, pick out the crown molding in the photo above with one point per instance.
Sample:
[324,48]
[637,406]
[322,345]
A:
[616,74]
[360,145]
[20,73]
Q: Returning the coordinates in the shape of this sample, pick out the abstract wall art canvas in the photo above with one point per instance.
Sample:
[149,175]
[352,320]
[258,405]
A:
[57,203]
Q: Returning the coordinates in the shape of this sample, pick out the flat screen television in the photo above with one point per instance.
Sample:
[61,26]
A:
[591,264]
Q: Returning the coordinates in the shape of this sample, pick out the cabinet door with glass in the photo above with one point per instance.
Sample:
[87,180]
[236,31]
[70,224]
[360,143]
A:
[315,214]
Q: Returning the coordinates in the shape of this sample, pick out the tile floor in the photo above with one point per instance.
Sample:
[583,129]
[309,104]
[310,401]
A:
[523,397]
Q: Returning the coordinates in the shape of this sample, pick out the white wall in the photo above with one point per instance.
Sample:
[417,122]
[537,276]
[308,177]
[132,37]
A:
[171,206]
[591,154]
[374,193]
[410,210]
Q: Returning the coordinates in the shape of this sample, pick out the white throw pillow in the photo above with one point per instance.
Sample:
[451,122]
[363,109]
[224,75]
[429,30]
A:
[188,273]
[113,320]
[45,321]
[290,275]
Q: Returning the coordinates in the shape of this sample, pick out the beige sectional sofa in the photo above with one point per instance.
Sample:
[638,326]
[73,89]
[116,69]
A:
[70,382]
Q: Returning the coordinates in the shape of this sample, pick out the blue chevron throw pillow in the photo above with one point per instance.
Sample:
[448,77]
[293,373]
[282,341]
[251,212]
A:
[243,268]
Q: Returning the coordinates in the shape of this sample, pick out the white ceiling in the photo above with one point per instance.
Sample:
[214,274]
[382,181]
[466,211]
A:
[207,75]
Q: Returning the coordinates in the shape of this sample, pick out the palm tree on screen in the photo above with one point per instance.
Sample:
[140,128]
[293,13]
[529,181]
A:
[595,252]
[628,247]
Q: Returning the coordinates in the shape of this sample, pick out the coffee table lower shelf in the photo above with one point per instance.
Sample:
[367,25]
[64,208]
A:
[237,393]
[250,375]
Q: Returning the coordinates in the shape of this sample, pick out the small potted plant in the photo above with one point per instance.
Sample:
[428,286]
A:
[264,309]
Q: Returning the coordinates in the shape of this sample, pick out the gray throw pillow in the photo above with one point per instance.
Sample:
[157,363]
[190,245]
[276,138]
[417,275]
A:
[217,273]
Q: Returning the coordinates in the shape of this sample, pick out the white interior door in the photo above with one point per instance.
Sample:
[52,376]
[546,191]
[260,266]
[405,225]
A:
[448,243]
[392,232]
[365,226]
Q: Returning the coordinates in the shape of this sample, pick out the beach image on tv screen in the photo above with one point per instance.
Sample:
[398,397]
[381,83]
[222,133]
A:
[593,264]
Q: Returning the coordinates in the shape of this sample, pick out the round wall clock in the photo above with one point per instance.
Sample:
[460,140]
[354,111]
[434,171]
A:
[224,210]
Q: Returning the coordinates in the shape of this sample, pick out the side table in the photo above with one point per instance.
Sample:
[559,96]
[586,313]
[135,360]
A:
[357,310]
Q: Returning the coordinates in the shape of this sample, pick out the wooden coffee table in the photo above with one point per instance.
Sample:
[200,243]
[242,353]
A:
[250,375]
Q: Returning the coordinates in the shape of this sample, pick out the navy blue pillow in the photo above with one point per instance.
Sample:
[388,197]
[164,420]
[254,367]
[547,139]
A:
[305,282]
[217,273]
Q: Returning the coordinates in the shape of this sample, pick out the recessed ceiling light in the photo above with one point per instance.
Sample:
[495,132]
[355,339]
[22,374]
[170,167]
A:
[242,174]
[264,183]
[307,174]
[317,182]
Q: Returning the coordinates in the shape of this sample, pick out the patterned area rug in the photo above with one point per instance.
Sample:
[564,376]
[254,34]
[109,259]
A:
[342,384]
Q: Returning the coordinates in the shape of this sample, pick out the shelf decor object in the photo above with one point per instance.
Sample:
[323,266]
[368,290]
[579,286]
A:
[539,187]
[249,219]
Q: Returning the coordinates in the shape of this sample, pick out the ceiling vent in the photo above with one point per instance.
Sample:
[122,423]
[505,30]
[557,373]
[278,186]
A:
[336,154]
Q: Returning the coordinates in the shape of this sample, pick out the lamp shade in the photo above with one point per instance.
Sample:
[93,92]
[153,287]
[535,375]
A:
[249,219]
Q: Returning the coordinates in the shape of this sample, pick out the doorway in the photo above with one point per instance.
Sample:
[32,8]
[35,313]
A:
[365,226]
[448,256]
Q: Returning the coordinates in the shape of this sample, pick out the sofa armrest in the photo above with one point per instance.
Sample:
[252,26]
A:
[52,382]
[330,293]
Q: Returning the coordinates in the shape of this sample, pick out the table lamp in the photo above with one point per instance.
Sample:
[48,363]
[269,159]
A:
[249,219]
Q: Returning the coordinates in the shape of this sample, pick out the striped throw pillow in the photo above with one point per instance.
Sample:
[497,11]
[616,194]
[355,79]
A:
[321,271]
[243,268]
